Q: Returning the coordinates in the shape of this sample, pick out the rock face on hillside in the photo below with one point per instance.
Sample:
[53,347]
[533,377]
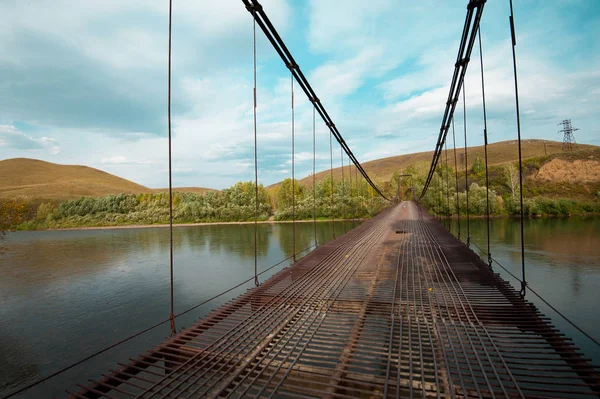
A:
[560,170]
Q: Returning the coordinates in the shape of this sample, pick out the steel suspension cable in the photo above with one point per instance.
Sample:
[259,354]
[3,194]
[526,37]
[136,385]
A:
[356,193]
[331,178]
[171,314]
[460,68]
[514,58]
[343,189]
[351,196]
[456,178]
[440,196]
[448,216]
[466,166]
[256,282]
[362,197]
[293,176]
[272,35]
[313,176]
[349,188]
[350,204]
[371,195]
[435,194]
[485,151]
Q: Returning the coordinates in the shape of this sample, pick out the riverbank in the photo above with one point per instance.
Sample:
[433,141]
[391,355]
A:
[272,221]
[147,226]
[517,216]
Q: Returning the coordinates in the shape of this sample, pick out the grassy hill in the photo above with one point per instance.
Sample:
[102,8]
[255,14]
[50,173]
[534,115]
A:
[54,196]
[37,181]
[32,179]
[501,152]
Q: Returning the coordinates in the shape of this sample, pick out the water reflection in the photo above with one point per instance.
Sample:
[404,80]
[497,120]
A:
[562,260]
[68,293]
[64,294]
[236,239]
[304,237]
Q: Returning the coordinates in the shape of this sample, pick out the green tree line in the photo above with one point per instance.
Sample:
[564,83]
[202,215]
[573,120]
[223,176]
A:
[234,204]
[339,199]
[539,198]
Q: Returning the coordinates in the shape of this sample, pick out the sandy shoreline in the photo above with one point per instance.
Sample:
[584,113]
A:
[147,226]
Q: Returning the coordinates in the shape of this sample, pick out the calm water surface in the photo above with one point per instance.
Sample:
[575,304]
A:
[562,264]
[65,294]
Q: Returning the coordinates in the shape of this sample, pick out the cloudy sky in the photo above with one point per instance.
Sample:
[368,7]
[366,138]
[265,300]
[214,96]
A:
[86,82]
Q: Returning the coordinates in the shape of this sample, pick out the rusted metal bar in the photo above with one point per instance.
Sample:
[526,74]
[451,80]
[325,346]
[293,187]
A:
[430,321]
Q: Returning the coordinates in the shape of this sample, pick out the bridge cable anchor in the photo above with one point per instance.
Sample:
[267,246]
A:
[522,292]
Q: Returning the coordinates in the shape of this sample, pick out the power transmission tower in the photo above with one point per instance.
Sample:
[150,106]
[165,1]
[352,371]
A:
[569,138]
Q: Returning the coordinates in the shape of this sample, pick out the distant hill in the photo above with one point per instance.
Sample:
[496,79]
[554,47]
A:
[35,180]
[498,153]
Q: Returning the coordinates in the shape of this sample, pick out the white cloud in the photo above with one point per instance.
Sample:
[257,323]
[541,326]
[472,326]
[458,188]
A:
[343,78]
[11,137]
[381,68]
[333,25]
[123,160]
[51,144]
[96,29]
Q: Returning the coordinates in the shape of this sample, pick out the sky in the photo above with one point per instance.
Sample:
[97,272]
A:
[86,82]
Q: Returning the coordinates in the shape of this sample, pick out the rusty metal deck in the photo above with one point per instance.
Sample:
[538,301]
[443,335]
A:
[397,307]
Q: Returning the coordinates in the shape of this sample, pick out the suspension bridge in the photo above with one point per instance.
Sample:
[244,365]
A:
[395,307]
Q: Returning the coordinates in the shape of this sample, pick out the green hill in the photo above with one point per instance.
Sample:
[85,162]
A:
[381,170]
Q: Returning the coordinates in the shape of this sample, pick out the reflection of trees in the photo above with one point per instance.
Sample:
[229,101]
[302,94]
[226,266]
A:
[324,232]
[565,243]
[58,255]
[236,239]
[572,236]
[568,236]
[304,237]
[305,234]
[70,253]
[575,281]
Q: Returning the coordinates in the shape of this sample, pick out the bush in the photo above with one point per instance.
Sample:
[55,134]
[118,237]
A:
[12,213]
[44,211]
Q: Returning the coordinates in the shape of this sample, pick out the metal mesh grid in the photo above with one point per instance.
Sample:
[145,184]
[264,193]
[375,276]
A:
[396,307]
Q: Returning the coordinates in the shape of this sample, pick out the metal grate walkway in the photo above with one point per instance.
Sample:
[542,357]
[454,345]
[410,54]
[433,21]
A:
[397,307]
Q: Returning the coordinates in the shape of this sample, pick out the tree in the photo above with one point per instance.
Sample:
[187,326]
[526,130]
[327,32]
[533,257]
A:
[395,182]
[44,210]
[284,193]
[12,213]
[478,167]
[512,179]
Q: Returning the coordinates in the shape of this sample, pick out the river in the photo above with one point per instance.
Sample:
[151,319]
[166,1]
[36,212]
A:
[65,294]
[562,264]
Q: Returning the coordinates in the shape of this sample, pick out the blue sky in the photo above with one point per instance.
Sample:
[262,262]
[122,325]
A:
[85,82]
